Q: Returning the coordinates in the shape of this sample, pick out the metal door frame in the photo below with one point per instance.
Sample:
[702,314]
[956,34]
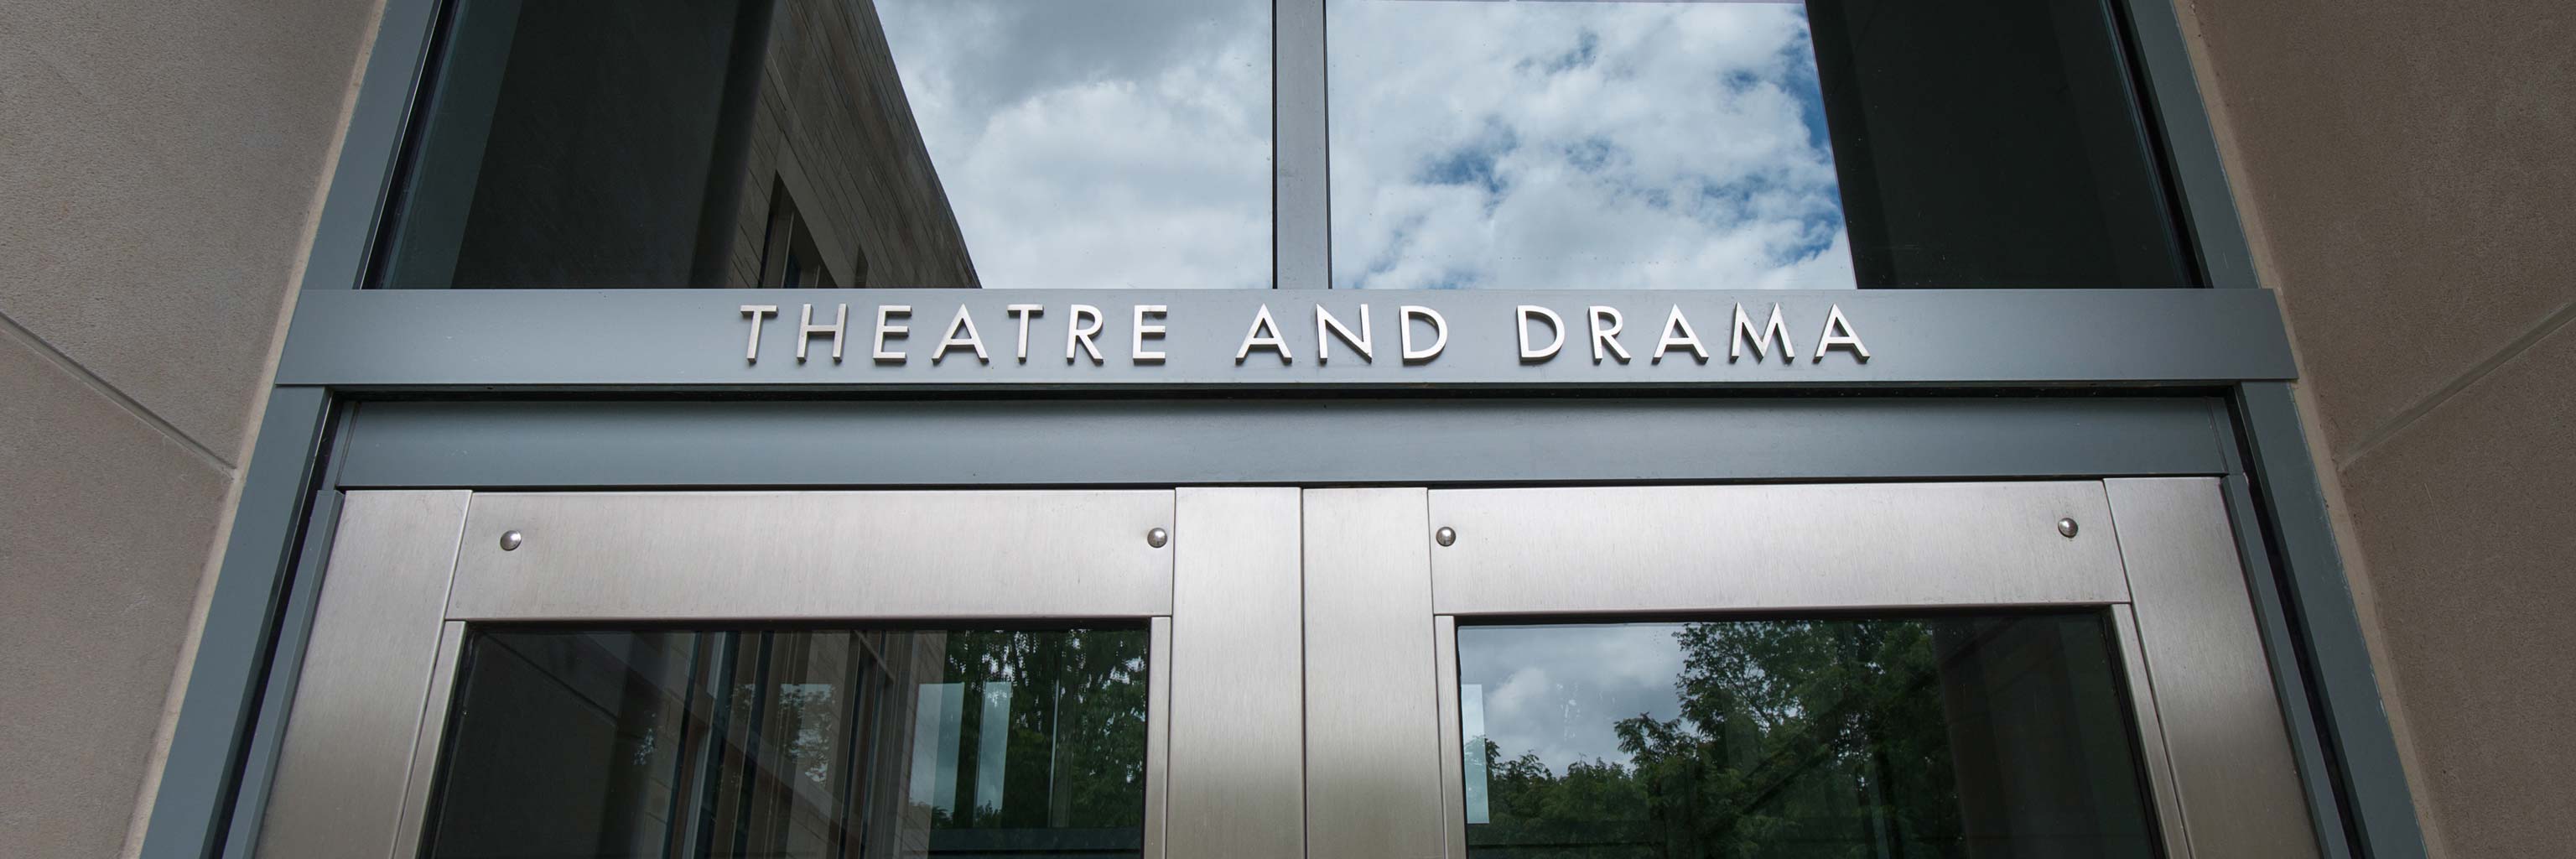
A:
[410,569]
[1392,572]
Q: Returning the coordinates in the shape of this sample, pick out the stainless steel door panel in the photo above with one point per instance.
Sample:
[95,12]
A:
[1373,766]
[1701,548]
[713,555]
[1237,736]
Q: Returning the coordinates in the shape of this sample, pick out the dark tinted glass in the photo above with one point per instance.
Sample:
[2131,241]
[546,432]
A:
[1545,144]
[804,745]
[1931,737]
[1993,143]
[822,143]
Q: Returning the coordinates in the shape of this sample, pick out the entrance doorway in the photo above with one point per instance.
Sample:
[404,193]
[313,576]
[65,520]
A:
[1987,669]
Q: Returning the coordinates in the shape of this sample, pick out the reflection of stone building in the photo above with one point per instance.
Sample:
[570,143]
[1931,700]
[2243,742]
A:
[650,148]
[831,131]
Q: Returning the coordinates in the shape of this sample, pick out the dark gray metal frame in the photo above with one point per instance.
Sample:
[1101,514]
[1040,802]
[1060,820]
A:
[321,434]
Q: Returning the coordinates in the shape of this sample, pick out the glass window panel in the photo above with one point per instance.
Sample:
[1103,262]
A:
[1539,144]
[1938,736]
[804,745]
[850,143]
[1579,144]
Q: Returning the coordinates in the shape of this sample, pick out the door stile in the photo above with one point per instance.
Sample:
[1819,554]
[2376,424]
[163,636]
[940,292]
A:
[2175,830]
[2237,784]
[433,737]
[1158,735]
[1237,785]
[1373,761]
[1453,740]
[351,736]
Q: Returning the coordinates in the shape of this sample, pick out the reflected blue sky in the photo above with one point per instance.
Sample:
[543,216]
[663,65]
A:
[1580,144]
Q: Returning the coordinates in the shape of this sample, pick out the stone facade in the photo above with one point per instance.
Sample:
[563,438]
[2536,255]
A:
[2405,176]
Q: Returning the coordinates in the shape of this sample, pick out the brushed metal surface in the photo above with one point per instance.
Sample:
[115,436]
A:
[1238,748]
[557,339]
[2151,733]
[814,555]
[1373,753]
[1691,548]
[347,761]
[1158,736]
[433,738]
[1453,742]
[2240,791]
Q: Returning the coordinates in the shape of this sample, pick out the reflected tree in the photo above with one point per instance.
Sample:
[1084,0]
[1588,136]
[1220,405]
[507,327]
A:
[1794,739]
[1075,709]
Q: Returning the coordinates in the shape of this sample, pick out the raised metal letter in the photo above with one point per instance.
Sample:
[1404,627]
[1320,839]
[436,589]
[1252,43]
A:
[1606,340]
[1555,325]
[1136,345]
[756,311]
[1253,337]
[1324,322]
[884,313]
[964,323]
[1848,337]
[1762,341]
[1022,312]
[1677,332]
[806,329]
[1439,332]
[1076,334]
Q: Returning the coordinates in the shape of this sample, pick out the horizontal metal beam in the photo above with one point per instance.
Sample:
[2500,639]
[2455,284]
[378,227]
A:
[1437,441]
[705,340]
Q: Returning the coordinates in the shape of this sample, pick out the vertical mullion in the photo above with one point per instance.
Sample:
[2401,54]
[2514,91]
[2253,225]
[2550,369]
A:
[1301,237]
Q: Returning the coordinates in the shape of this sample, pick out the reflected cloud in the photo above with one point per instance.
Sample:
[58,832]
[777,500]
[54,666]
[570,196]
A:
[1580,144]
[1097,143]
[1559,691]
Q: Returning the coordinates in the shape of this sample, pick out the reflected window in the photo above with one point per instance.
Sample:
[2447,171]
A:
[1946,736]
[805,745]
[849,143]
[1546,144]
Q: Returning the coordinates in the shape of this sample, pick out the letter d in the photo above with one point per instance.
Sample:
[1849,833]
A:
[1555,328]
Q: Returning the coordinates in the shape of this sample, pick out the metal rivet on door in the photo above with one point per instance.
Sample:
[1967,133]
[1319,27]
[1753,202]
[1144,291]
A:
[1157,537]
[2066,528]
[1447,536]
[512,540]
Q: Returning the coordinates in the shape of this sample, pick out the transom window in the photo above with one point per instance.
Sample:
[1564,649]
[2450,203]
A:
[1513,144]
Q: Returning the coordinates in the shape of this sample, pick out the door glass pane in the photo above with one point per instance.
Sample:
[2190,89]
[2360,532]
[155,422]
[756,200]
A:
[2001,735]
[840,143]
[1750,144]
[804,744]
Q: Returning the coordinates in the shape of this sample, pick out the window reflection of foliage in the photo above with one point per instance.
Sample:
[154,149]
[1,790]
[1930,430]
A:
[812,711]
[1076,752]
[1794,739]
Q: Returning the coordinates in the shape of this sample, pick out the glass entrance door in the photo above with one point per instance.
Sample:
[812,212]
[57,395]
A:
[801,675]
[1975,670]
[1917,670]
